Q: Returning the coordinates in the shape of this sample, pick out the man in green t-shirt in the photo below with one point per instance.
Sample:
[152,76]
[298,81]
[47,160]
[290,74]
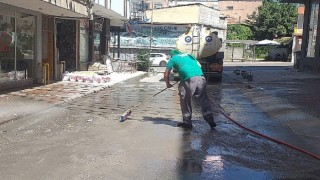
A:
[192,84]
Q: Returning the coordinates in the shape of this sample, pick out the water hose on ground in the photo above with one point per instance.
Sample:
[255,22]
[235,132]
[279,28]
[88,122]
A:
[263,135]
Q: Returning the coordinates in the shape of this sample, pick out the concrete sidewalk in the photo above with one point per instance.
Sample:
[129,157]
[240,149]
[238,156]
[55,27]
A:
[64,91]
[16,104]
[287,96]
[285,73]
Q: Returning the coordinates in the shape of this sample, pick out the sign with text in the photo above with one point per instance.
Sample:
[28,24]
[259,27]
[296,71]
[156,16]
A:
[138,35]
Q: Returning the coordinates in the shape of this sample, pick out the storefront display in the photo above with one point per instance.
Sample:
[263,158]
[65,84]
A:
[97,38]
[17,46]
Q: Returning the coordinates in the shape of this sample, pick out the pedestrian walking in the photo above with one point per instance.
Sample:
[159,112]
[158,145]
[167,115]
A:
[192,85]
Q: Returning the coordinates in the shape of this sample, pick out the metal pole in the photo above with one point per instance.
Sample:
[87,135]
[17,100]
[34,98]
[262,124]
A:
[15,46]
[254,53]
[151,33]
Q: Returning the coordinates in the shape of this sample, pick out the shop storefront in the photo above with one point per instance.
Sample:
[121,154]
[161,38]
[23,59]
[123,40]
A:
[104,21]
[17,45]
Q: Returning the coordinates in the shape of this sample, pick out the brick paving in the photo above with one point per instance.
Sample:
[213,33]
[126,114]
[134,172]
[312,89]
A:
[65,91]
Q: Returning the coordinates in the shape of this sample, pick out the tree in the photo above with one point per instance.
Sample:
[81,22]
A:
[273,20]
[143,58]
[239,32]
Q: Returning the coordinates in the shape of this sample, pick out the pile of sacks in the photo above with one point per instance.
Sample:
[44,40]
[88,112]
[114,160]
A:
[17,74]
[86,76]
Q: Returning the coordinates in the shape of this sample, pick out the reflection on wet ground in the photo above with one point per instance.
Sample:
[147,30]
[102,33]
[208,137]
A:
[228,152]
[300,90]
[87,136]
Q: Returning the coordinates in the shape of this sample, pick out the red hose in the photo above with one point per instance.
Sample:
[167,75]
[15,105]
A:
[265,136]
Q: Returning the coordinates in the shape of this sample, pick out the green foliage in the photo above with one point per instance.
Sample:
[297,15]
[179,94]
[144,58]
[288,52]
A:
[239,32]
[262,52]
[273,20]
[143,60]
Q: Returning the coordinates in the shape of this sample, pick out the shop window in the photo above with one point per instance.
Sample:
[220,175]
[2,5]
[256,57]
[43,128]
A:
[7,48]
[312,29]
[25,44]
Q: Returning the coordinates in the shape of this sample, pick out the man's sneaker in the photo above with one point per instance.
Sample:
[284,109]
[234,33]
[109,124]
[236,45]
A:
[185,125]
[212,124]
[210,121]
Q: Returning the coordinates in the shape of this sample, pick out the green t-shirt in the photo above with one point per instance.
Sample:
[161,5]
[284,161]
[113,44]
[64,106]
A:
[186,65]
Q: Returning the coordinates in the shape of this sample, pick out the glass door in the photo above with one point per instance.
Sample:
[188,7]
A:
[7,48]
[25,30]
[17,46]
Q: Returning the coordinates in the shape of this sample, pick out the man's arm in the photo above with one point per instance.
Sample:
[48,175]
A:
[166,77]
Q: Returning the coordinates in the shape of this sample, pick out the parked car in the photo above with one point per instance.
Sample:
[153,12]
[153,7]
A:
[158,59]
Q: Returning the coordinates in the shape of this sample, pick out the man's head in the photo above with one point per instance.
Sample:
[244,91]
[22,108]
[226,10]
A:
[174,52]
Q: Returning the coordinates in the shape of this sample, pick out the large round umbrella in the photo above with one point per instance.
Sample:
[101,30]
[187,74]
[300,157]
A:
[267,42]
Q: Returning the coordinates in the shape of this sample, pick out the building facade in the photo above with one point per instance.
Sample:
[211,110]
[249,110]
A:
[210,3]
[160,31]
[40,39]
[237,11]
[308,58]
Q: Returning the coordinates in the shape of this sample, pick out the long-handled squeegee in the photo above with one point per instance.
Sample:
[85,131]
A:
[127,113]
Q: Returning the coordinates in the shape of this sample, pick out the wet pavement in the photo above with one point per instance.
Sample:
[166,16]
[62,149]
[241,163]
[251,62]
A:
[82,138]
[21,103]
[286,95]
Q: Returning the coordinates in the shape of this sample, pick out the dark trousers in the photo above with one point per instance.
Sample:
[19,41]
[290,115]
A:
[194,88]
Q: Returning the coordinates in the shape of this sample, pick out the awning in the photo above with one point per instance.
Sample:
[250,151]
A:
[62,8]
[115,18]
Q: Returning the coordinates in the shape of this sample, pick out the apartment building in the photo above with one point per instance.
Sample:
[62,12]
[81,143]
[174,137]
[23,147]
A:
[237,11]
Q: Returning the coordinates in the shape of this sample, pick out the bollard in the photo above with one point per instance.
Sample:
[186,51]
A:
[236,71]
[244,74]
[250,77]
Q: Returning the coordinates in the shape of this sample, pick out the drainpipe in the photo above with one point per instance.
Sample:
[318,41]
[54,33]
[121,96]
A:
[118,43]
[91,40]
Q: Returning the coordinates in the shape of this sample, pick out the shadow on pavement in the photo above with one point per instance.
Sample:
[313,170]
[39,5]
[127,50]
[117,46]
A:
[160,120]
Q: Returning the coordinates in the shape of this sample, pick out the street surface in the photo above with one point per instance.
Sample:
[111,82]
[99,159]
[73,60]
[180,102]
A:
[83,139]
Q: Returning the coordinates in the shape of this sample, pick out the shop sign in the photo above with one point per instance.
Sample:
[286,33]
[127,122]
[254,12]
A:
[297,31]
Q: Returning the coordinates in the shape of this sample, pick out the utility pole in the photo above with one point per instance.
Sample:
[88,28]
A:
[151,25]
[151,33]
